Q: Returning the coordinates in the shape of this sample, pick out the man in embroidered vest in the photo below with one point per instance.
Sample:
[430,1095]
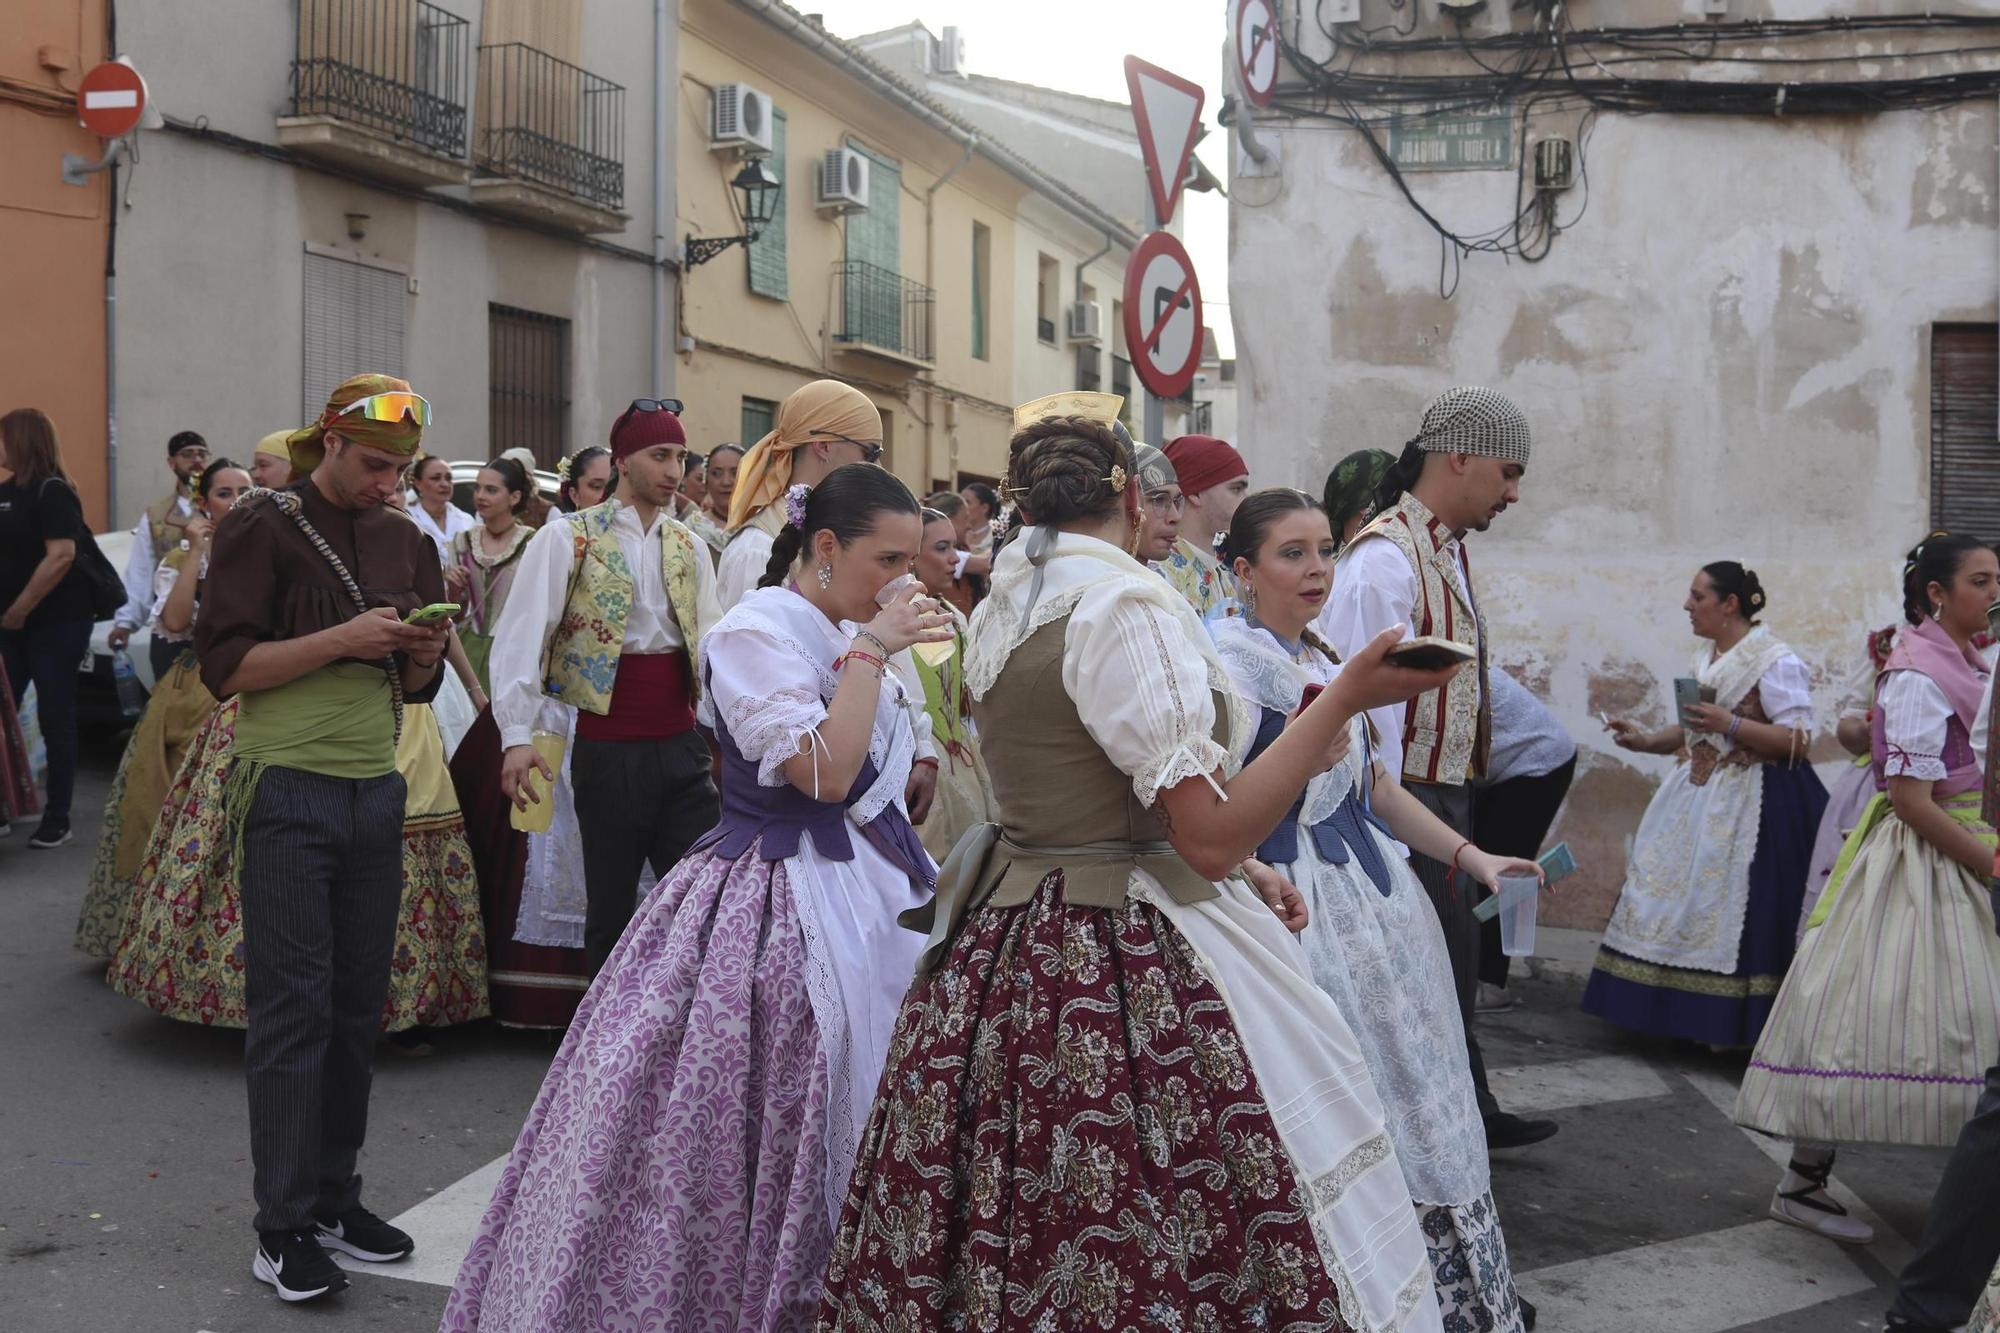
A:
[606,614]
[1213,480]
[302,622]
[1408,567]
[160,530]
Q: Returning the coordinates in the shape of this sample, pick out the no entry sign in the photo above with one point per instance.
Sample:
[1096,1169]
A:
[1257,49]
[111,99]
[1163,315]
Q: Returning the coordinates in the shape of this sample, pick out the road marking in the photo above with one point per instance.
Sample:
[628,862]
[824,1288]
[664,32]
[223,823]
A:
[1698,1284]
[1890,1249]
[1605,1078]
[443,1226]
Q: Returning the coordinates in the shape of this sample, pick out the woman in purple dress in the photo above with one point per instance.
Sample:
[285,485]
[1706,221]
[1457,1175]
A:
[684,1165]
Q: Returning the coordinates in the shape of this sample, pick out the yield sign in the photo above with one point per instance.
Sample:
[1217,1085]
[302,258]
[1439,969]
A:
[1163,315]
[1257,49]
[1168,109]
[111,99]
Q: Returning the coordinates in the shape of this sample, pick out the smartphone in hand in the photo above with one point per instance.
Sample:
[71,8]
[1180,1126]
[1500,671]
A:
[432,614]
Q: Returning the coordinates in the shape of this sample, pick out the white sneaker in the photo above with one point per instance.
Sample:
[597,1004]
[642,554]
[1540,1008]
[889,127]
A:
[1493,999]
[1801,1200]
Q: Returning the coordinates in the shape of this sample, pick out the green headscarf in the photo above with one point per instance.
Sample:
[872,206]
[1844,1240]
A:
[308,444]
[1350,487]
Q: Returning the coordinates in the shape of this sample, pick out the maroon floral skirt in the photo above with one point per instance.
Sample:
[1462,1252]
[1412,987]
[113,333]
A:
[1069,1135]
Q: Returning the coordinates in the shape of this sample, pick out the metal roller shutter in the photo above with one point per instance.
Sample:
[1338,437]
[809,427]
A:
[354,318]
[1965,429]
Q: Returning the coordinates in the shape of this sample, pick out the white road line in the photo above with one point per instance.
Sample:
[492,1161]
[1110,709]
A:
[1698,1284]
[1889,1249]
[442,1226]
[1606,1078]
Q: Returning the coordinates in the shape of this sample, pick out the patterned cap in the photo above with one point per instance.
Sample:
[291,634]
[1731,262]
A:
[1154,469]
[1472,420]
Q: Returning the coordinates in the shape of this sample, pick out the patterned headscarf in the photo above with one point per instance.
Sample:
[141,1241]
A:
[1154,469]
[393,437]
[1472,420]
[819,410]
[1350,487]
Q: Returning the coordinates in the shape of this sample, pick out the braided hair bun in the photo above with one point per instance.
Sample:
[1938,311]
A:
[1062,469]
[1730,579]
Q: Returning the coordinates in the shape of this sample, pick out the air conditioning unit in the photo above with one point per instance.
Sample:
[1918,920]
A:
[843,182]
[1083,322]
[739,119]
[950,52]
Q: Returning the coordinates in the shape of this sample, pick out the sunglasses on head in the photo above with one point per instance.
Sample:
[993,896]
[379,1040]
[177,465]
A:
[673,405]
[871,452]
[390,408]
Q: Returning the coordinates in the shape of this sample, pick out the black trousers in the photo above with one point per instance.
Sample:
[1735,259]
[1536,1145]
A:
[1451,893]
[1961,1239]
[1512,818]
[163,653]
[322,883]
[636,802]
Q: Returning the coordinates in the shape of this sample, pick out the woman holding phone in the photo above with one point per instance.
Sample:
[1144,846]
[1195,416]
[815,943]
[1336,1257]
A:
[1371,937]
[1705,924]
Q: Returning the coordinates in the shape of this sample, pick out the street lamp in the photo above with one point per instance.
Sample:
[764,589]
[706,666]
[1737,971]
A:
[757,189]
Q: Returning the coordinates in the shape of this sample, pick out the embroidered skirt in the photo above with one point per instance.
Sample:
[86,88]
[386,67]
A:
[1072,1133]
[1890,1017]
[180,952]
[672,1172]
[179,705]
[1727,1009]
[1846,801]
[1986,1314]
[536,986]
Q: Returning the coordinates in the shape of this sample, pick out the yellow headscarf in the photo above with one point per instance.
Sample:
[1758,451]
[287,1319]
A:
[276,445]
[819,410]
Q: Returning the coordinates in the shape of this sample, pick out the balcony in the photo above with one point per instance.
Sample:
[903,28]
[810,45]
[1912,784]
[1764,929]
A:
[1089,372]
[378,86]
[550,142]
[882,314]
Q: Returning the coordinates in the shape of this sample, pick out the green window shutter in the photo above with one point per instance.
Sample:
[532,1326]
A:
[982,278]
[759,416]
[767,252]
[875,295]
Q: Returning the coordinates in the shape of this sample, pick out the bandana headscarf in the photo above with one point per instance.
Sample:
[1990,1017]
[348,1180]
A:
[1472,420]
[820,410]
[401,438]
[1204,462]
[276,445]
[1154,469]
[1350,487]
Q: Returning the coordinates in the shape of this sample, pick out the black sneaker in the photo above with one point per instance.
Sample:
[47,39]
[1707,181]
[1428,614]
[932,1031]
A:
[53,832]
[1504,1129]
[365,1236]
[294,1263]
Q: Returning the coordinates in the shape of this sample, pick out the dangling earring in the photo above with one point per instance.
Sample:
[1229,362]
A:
[1249,600]
[1937,613]
[825,576]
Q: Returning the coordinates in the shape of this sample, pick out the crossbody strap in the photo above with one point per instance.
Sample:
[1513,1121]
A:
[288,502]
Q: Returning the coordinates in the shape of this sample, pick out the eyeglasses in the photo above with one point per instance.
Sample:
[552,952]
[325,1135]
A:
[1167,502]
[390,407]
[191,451]
[871,451]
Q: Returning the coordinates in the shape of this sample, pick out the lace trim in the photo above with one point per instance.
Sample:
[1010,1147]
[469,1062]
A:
[1197,757]
[769,728]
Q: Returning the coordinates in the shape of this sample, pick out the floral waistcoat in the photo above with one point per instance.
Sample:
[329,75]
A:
[588,640]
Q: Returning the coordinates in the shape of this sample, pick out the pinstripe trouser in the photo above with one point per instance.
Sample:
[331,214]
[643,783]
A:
[322,882]
[1962,1235]
[1451,893]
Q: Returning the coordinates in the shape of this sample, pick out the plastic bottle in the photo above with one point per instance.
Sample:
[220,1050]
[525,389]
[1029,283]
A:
[131,694]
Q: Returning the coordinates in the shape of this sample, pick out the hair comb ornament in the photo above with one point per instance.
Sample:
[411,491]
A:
[1117,479]
[795,504]
[562,467]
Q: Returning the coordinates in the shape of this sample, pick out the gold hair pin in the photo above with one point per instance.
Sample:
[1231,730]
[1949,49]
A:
[1117,479]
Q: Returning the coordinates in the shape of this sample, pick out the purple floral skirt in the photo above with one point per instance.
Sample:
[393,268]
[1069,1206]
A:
[671,1173]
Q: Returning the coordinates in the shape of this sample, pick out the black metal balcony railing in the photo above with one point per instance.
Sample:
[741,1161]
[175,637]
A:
[548,121]
[1045,329]
[396,66]
[1201,419]
[1121,376]
[1089,369]
[884,309]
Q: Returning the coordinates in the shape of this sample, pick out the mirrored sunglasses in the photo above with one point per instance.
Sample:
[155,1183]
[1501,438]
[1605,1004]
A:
[390,408]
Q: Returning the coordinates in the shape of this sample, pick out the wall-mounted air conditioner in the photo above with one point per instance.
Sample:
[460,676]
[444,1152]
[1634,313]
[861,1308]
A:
[950,52]
[739,119]
[843,182]
[1083,322]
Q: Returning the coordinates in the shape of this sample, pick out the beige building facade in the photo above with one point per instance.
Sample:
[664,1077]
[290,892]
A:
[1769,338]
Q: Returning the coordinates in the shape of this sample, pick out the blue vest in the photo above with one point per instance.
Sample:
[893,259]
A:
[1341,835]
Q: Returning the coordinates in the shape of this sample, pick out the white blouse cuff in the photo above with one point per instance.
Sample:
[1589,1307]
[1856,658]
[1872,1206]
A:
[1197,757]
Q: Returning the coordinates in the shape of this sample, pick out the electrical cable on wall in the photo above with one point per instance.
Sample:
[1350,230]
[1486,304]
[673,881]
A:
[1552,67]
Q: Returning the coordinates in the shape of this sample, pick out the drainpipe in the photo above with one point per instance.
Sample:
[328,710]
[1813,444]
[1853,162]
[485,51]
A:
[111,315]
[930,281]
[1084,264]
[660,221]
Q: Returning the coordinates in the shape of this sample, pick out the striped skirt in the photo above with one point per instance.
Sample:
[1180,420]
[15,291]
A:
[1890,1015]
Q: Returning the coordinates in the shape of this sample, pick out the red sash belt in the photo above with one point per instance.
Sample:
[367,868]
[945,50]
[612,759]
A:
[652,698]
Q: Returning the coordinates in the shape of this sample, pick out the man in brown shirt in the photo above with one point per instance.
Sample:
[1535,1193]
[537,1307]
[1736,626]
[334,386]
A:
[302,622]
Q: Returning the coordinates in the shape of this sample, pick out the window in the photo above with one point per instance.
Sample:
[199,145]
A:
[1089,371]
[1965,421]
[767,252]
[1048,297]
[528,383]
[759,416]
[353,325]
[874,299]
[982,287]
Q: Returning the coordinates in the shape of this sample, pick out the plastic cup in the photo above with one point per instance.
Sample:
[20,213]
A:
[541,811]
[1518,896]
[888,591]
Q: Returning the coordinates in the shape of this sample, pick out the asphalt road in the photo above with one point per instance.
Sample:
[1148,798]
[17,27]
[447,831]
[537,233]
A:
[125,1177]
